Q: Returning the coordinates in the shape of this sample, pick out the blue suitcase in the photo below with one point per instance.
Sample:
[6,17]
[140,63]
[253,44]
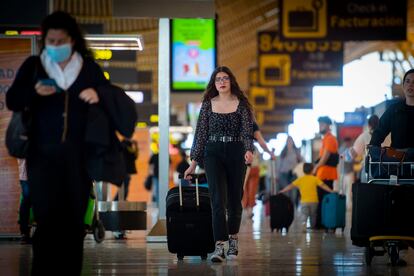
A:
[333,211]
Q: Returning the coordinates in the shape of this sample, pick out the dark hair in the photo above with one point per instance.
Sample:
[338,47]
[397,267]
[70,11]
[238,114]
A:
[373,121]
[411,71]
[285,149]
[211,90]
[61,20]
[307,168]
[325,119]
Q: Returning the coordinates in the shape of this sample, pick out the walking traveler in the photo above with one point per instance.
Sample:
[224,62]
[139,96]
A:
[223,145]
[60,88]
[289,158]
[252,175]
[325,168]
[308,187]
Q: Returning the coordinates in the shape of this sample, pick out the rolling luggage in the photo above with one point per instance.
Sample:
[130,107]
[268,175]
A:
[189,221]
[281,212]
[382,217]
[380,210]
[333,206]
[334,211]
[280,206]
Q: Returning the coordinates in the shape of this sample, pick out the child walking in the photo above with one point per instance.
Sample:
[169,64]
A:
[308,189]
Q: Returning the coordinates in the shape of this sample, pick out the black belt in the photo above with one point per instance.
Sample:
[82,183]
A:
[224,139]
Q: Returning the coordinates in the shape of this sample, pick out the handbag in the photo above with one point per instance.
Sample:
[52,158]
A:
[333,160]
[148,183]
[17,134]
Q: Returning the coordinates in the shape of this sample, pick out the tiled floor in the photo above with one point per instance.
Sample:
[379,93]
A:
[261,253]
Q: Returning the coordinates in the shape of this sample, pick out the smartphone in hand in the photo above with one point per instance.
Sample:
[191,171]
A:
[51,82]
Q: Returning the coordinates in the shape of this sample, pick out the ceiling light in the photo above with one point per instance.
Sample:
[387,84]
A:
[115,42]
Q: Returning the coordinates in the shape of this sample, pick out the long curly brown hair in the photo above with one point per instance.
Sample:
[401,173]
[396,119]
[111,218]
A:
[211,90]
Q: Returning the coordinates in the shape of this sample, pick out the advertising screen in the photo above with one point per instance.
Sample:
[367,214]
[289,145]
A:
[193,53]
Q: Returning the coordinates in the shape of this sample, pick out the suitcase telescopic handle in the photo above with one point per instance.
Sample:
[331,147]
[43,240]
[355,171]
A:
[193,176]
[273,188]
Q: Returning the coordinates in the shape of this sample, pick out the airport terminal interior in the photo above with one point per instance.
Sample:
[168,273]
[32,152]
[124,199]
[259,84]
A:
[297,61]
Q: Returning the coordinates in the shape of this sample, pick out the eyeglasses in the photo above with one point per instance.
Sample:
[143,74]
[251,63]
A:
[223,79]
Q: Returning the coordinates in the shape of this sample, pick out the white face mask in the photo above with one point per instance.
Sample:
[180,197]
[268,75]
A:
[59,53]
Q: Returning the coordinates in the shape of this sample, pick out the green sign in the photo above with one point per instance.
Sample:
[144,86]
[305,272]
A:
[193,53]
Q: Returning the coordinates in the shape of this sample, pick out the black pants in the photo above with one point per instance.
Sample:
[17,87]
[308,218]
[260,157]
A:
[59,189]
[127,179]
[225,170]
[321,194]
[24,209]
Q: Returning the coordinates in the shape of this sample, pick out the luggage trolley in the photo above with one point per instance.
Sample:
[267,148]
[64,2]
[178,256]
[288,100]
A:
[92,222]
[387,166]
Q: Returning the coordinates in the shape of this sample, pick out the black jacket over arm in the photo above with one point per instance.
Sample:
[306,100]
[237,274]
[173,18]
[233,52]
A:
[398,120]
[105,159]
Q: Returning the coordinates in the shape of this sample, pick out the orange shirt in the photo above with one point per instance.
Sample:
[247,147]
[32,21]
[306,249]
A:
[330,144]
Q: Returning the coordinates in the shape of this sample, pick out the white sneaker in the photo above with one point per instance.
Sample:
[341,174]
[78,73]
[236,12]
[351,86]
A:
[218,254]
[233,248]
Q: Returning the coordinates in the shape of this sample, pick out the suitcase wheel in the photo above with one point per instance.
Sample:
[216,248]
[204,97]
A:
[204,257]
[369,254]
[180,256]
[394,255]
[98,231]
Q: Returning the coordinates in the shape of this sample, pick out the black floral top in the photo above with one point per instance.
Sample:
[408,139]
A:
[234,124]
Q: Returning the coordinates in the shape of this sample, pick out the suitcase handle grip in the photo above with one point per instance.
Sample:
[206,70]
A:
[194,176]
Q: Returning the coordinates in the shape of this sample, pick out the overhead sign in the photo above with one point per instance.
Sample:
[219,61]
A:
[253,77]
[343,19]
[299,62]
[262,98]
[275,116]
[193,53]
[268,98]
[293,97]
[354,118]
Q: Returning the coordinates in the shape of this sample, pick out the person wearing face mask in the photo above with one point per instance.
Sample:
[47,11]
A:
[59,182]
[323,169]
[223,143]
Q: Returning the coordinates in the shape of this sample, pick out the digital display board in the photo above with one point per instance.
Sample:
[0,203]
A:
[193,53]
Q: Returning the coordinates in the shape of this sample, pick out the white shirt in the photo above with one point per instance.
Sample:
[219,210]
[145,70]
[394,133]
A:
[66,77]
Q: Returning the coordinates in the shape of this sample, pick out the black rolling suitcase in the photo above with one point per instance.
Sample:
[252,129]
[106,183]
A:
[189,221]
[381,210]
[281,212]
[281,207]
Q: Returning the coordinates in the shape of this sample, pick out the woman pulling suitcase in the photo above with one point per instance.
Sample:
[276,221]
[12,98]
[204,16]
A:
[223,144]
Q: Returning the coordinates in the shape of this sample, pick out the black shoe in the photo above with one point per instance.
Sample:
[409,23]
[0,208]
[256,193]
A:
[26,239]
[120,235]
[401,262]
